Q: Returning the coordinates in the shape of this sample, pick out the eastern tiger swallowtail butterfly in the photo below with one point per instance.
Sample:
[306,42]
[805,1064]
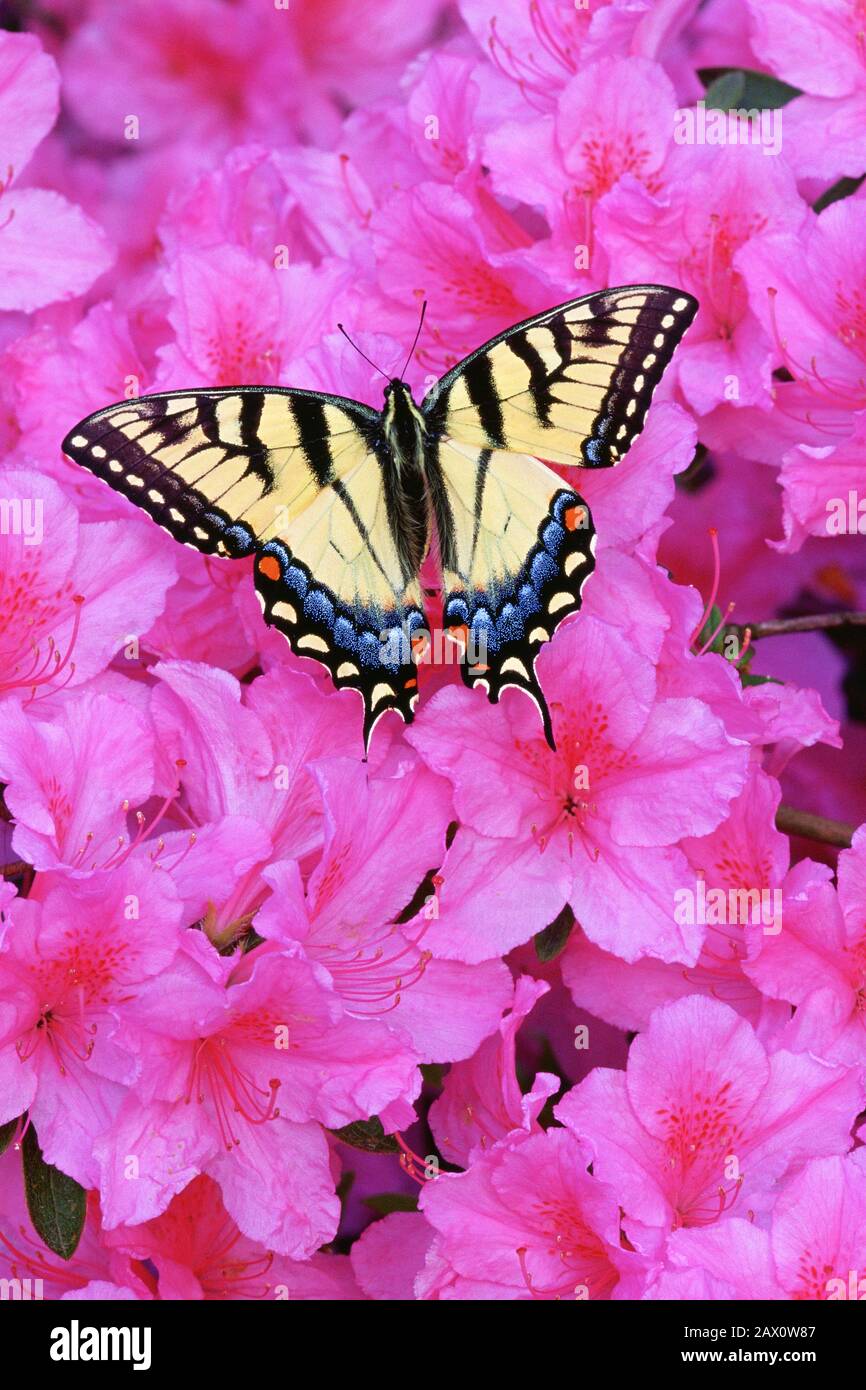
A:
[337,501]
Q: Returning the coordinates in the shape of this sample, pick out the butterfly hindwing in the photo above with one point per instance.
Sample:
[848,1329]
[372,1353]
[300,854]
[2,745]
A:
[571,385]
[337,587]
[294,477]
[517,546]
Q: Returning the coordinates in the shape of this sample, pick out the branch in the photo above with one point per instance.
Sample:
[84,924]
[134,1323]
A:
[827,832]
[812,622]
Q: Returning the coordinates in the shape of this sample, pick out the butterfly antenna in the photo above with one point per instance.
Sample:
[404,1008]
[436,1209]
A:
[417,336]
[363,354]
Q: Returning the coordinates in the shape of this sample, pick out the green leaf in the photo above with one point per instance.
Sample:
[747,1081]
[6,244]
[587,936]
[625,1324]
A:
[842,189]
[6,1133]
[383,1203]
[433,1073]
[553,939]
[367,1135]
[726,92]
[56,1203]
[741,89]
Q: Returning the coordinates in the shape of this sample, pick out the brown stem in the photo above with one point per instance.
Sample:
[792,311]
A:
[828,832]
[812,622]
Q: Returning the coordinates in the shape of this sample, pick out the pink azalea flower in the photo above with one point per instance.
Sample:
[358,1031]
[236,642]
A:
[605,810]
[389,1256]
[59,375]
[67,589]
[72,780]
[714,201]
[820,963]
[383,837]
[659,29]
[242,756]
[824,489]
[481,1101]
[357,49]
[48,249]
[613,118]
[704,1120]
[311,203]
[815,1248]
[729,1260]
[745,854]
[468,102]
[236,319]
[69,965]
[824,130]
[241,1063]
[436,244]
[528,1221]
[802,288]
[211,616]
[537,47]
[818,1235]
[198,1252]
[181,69]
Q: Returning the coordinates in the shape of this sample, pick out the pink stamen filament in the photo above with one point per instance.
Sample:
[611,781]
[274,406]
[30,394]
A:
[230,1089]
[45,670]
[717,574]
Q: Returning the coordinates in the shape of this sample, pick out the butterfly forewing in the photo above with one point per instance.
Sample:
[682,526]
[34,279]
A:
[294,477]
[220,470]
[572,385]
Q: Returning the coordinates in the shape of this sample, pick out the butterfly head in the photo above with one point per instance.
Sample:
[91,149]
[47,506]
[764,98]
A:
[396,384]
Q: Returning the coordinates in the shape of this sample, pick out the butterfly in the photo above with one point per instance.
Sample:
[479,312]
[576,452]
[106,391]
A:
[338,502]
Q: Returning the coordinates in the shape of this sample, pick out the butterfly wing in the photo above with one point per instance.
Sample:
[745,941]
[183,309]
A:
[572,385]
[517,546]
[296,478]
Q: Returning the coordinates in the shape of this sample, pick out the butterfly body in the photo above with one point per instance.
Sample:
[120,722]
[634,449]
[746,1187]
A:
[405,461]
[339,503]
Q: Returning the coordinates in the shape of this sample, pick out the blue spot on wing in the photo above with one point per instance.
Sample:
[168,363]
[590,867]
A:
[511,623]
[552,537]
[297,580]
[528,599]
[369,649]
[542,570]
[319,607]
[345,635]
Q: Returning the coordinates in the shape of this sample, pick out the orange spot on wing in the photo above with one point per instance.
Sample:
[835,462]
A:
[460,634]
[269,567]
[410,684]
[574,517]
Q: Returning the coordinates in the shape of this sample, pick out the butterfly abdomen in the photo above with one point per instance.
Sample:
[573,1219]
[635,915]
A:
[404,433]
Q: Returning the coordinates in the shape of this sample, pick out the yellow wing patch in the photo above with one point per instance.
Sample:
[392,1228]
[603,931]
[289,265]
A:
[572,385]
